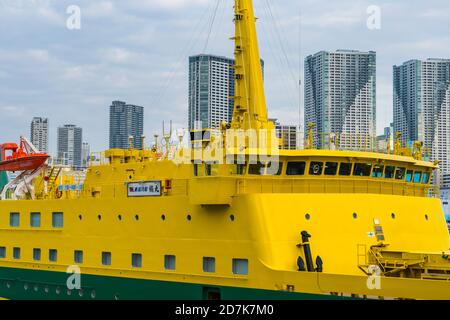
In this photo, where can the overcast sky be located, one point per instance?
(137, 51)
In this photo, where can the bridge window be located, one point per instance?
(296, 168)
(35, 219)
(426, 178)
(14, 219)
(240, 169)
(400, 173)
(417, 176)
(331, 168)
(377, 171)
(409, 175)
(36, 254)
(345, 169)
(316, 168)
(169, 262)
(195, 169)
(256, 169)
(274, 168)
(209, 264)
(389, 172)
(240, 266)
(208, 169)
(362, 169)
(2, 252)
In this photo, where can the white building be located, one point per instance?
(340, 98)
(39, 133)
(422, 107)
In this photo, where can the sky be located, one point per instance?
(137, 51)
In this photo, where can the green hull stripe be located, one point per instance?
(27, 284)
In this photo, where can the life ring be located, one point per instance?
(58, 194)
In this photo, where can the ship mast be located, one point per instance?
(250, 111)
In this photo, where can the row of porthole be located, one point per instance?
(58, 290)
(355, 216)
(136, 217)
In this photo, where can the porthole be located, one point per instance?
(116, 296)
(8, 285)
(99, 217)
(119, 217)
(189, 217)
(80, 217)
(355, 215)
(46, 289)
(93, 294)
(393, 215)
(163, 217)
(58, 290)
(136, 217)
(69, 292)
(307, 216)
(426, 217)
(80, 292)
(25, 286)
(232, 217)
(36, 288)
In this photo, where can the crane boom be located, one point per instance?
(250, 111)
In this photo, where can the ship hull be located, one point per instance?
(262, 228)
(27, 284)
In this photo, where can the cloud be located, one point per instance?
(167, 4)
(39, 55)
(12, 111)
(118, 55)
(347, 17)
(137, 51)
(99, 9)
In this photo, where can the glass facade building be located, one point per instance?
(422, 107)
(125, 120)
(211, 89)
(69, 145)
(340, 98)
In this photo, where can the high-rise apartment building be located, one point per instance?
(340, 98)
(69, 145)
(211, 88)
(125, 120)
(422, 107)
(39, 133)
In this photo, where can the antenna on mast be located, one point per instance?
(166, 137)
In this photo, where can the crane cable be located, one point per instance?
(193, 40)
(271, 40)
(211, 24)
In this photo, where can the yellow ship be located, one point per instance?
(326, 224)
